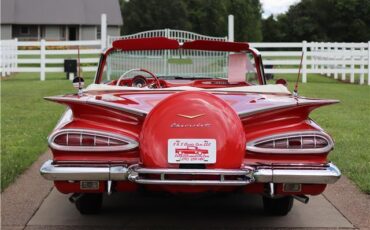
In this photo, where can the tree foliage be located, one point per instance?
(321, 20)
(207, 17)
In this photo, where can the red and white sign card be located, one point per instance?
(192, 151)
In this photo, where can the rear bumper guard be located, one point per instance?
(240, 176)
(323, 174)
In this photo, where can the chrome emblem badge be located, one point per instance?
(189, 116)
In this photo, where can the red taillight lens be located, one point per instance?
(88, 140)
(296, 143)
(83, 140)
(308, 142)
(101, 141)
(320, 142)
(61, 140)
(266, 145)
(114, 142)
(280, 144)
(74, 139)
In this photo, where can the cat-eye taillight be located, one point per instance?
(90, 140)
(293, 143)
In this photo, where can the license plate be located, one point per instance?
(192, 151)
(89, 185)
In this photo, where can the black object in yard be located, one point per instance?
(70, 66)
(269, 76)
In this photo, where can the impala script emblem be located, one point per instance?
(187, 125)
(189, 116)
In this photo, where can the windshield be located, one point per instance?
(182, 64)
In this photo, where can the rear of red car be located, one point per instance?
(190, 141)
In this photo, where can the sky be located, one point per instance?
(276, 6)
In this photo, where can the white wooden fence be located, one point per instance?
(46, 56)
(350, 60)
(345, 61)
(8, 56)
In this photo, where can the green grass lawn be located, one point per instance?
(27, 120)
(348, 122)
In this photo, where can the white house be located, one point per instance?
(58, 19)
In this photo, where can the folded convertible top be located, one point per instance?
(278, 89)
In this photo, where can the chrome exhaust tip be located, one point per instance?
(302, 198)
(75, 196)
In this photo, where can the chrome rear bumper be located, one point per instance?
(323, 174)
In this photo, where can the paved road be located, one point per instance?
(135, 210)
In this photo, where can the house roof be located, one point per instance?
(60, 12)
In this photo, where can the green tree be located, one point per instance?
(207, 17)
(248, 19)
(271, 30)
(139, 15)
(325, 20)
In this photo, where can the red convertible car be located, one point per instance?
(121, 133)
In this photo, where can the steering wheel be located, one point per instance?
(157, 83)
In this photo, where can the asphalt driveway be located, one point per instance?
(31, 203)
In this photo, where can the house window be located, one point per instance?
(62, 32)
(42, 31)
(98, 32)
(25, 30)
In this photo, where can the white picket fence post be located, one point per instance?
(15, 56)
(42, 60)
(167, 53)
(103, 31)
(304, 58)
(336, 59)
(321, 57)
(362, 67)
(231, 28)
(352, 78)
(343, 66)
(328, 57)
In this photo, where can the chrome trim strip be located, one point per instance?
(193, 182)
(326, 175)
(66, 99)
(251, 145)
(172, 171)
(66, 118)
(131, 143)
(310, 101)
